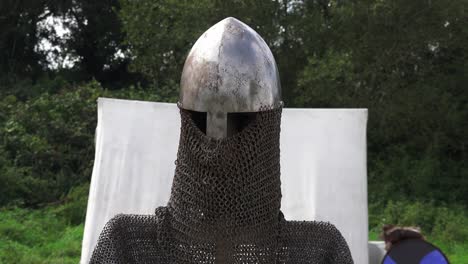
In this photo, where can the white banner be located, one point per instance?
(323, 167)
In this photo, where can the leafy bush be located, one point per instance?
(49, 235)
(38, 236)
(73, 211)
(47, 142)
(416, 96)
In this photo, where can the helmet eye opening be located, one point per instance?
(235, 123)
(199, 118)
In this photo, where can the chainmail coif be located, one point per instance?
(224, 208)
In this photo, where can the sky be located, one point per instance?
(56, 56)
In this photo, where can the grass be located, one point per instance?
(53, 235)
(38, 236)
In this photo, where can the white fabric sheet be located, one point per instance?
(323, 166)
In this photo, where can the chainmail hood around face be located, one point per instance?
(228, 188)
(224, 208)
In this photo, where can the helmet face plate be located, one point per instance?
(230, 69)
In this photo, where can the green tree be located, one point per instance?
(18, 38)
(405, 61)
(96, 39)
(161, 33)
(47, 144)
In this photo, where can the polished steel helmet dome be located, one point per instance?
(230, 69)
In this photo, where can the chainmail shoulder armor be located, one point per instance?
(224, 208)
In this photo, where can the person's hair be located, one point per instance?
(392, 234)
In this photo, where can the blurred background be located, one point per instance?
(406, 61)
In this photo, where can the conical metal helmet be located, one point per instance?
(230, 69)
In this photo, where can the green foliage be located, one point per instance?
(429, 175)
(47, 142)
(325, 82)
(171, 28)
(445, 223)
(38, 236)
(160, 46)
(49, 235)
(73, 211)
(96, 40)
(405, 63)
(34, 45)
(46, 236)
(18, 38)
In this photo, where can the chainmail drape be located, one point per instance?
(224, 208)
